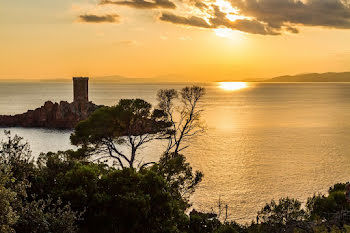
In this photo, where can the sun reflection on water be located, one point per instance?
(233, 86)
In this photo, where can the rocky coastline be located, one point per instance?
(61, 115)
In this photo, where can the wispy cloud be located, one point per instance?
(191, 21)
(127, 43)
(141, 4)
(90, 18)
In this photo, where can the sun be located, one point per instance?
(232, 14)
(233, 86)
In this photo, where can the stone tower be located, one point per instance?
(81, 92)
(81, 89)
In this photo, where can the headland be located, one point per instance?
(62, 115)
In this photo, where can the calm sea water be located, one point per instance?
(265, 141)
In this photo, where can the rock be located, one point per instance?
(61, 115)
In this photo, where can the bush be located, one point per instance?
(44, 216)
(8, 217)
(20, 212)
(327, 207)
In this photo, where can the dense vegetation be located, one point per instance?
(69, 191)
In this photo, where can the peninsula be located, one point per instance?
(61, 115)
(313, 77)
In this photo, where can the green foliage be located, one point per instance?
(321, 206)
(324, 229)
(328, 206)
(286, 211)
(179, 176)
(337, 187)
(44, 216)
(117, 200)
(52, 167)
(129, 117)
(142, 198)
(151, 200)
(203, 222)
(73, 181)
(226, 228)
(8, 217)
(131, 122)
(20, 212)
(16, 155)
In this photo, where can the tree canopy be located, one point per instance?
(131, 123)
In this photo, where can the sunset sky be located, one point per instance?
(184, 39)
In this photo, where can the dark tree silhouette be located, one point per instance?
(131, 123)
(185, 118)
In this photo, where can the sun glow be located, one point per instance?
(224, 32)
(232, 14)
(226, 7)
(233, 86)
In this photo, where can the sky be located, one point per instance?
(184, 40)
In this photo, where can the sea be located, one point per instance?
(263, 141)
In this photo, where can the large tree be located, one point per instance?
(131, 123)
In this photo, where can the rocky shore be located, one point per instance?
(61, 115)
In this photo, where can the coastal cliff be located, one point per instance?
(61, 115)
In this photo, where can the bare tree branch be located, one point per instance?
(188, 124)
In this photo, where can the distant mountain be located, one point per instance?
(313, 77)
(176, 78)
(171, 78)
(157, 79)
(107, 79)
(118, 79)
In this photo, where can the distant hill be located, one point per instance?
(313, 77)
(117, 78)
(157, 79)
(107, 79)
(176, 78)
(171, 78)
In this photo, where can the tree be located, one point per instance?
(329, 206)
(17, 156)
(70, 180)
(138, 202)
(19, 210)
(114, 200)
(285, 211)
(226, 228)
(178, 174)
(8, 217)
(131, 123)
(184, 119)
(41, 216)
(203, 222)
